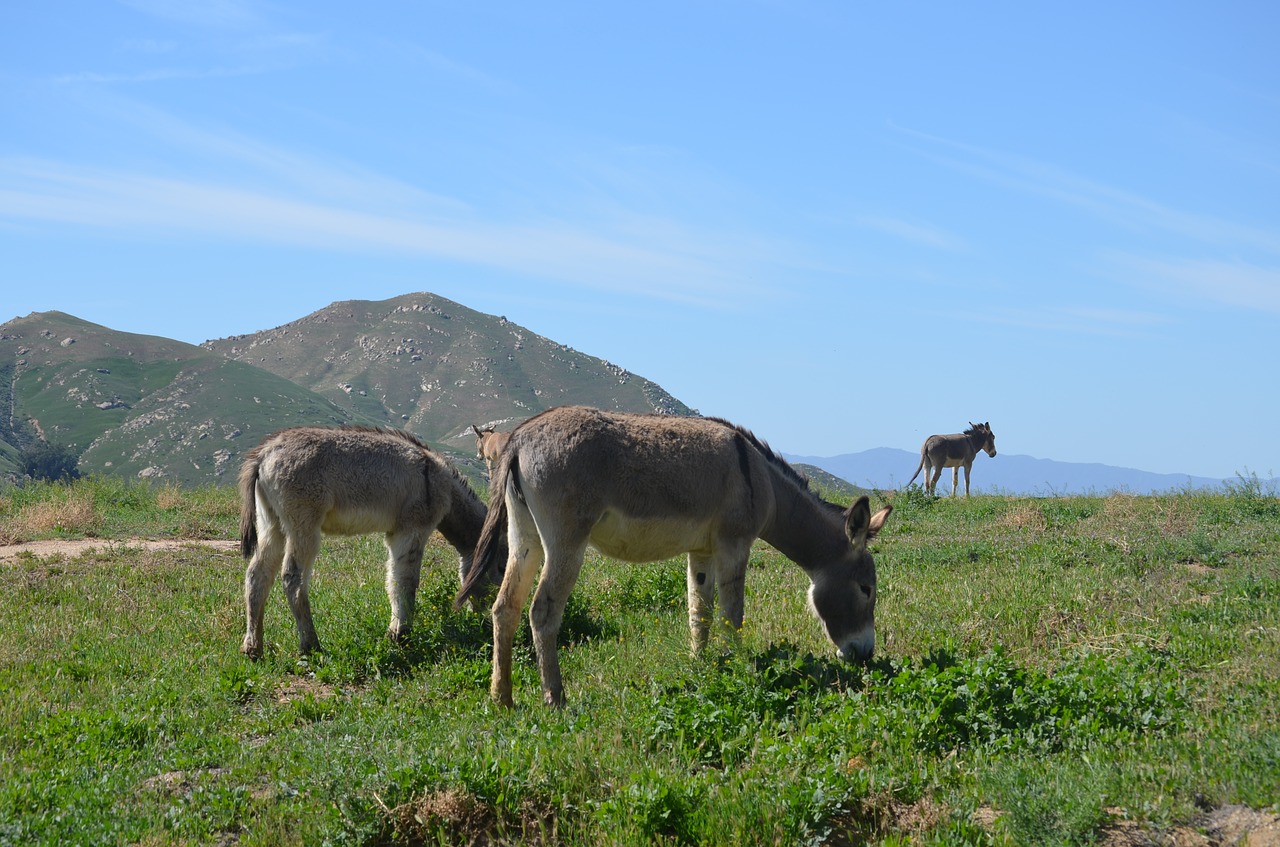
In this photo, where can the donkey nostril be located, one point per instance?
(866, 591)
(857, 653)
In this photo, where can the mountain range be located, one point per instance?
(888, 468)
(152, 407)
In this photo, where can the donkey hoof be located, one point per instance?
(398, 636)
(252, 650)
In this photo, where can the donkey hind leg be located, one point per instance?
(404, 570)
(934, 474)
(955, 480)
(259, 576)
(523, 563)
(702, 579)
(559, 574)
(300, 552)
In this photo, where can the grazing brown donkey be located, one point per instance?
(954, 451)
(303, 482)
(648, 487)
(489, 444)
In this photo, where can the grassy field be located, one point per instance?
(1050, 671)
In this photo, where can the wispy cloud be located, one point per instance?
(34, 191)
(153, 75)
(1232, 283)
(923, 234)
(467, 74)
(1115, 323)
(1115, 205)
(150, 46)
(220, 14)
(276, 169)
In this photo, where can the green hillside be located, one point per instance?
(140, 405)
(434, 367)
(829, 485)
(151, 407)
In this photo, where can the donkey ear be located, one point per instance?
(856, 518)
(878, 521)
(476, 430)
(860, 525)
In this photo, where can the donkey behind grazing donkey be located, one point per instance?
(489, 444)
(953, 451)
(303, 482)
(647, 487)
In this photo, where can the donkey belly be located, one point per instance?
(357, 521)
(648, 539)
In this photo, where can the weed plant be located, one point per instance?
(1046, 669)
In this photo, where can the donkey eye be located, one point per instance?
(866, 591)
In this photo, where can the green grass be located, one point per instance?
(1046, 667)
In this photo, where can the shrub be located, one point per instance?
(52, 462)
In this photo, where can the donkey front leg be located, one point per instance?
(731, 584)
(299, 555)
(404, 571)
(702, 579)
(259, 576)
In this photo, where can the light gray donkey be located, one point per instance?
(953, 451)
(303, 482)
(646, 487)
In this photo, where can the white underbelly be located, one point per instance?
(648, 539)
(356, 521)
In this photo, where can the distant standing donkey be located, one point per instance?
(954, 451)
(304, 482)
(489, 444)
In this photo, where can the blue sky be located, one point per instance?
(843, 225)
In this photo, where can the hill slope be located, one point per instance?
(434, 367)
(139, 405)
(142, 405)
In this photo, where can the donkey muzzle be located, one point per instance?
(860, 648)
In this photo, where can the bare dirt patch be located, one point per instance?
(70, 548)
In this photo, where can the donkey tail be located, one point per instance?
(918, 468)
(248, 505)
(490, 547)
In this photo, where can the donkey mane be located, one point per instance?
(780, 464)
(384, 430)
(768, 452)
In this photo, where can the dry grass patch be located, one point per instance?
(882, 813)
(299, 688)
(1128, 522)
(170, 497)
(465, 818)
(72, 511)
(1025, 517)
